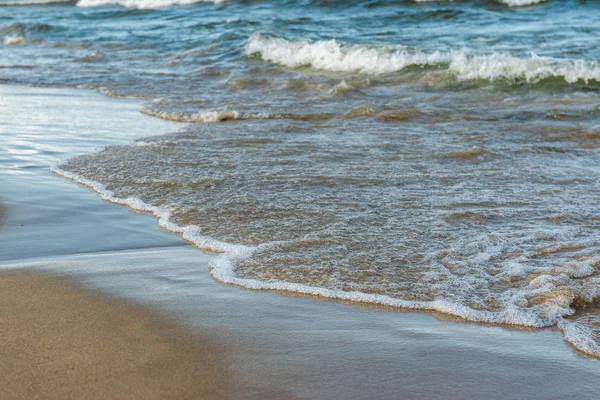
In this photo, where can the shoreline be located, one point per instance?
(279, 345)
(226, 255)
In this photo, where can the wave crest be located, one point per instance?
(521, 3)
(329, 55)
(208, 116)
(510, 3)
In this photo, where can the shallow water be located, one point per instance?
(283, 345)
(438, 155)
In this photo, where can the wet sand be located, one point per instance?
(2, 214)
(59, 342)
(263, 344)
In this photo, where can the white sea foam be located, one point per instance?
(329, 55)
(580, 336)
(534, 69)
(520, 3)
(223, 268)
(144, 4)
(13, 40)
(206, 116)
(510, 3)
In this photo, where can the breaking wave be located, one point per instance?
(230, 115)
(521, 3)
(330, 55)
(208, 116)
(13, 40)
(510, 3)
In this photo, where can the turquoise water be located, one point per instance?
(431, 155)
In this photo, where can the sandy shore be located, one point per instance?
(260, 345)
(59, 342)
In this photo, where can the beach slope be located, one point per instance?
(59, 341)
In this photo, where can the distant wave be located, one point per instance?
(32, 2)
(13, 40)
(144, 4)
(329, 55)
(510, 3)
(520, 3)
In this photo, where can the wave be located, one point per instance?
(230, 115)
(33, 2)
(329, 55)
(13, 40)
(144, 4)
(223, 269)
(521, 3)
(510, 3)
(208, 116)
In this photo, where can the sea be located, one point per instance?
(432, 155)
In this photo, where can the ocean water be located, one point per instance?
(420, 154)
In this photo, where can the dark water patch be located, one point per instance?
(474, 152)
(433, 15)
(22, 28)
(478, 217)
(92, 57)
(17, 66)
(361, 111)
(545, 150)
(37, 3)
(112, 13)
(399, 115)
(248, 83)
(302, 84)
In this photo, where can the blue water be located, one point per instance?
(439, 155)
(163, 51)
